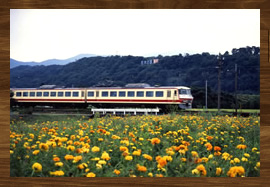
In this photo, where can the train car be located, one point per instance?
(49, 97)
(148, 96)
(107, 97)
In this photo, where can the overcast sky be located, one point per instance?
(38, 35)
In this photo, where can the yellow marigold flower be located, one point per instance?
(254, 149)
(141, 139)
(95, 149)
(141, 168)
(218, 171)
(11, 152)
(99, 166)
(105, 156)
(226, 156)
(117, 172)
(244, 159)
(236, 160)
(195, 172)
(148, 157)
(35, 152)
(258, 164)
(231, 162)
(91, 174)
(168, 158)
(43, 147)
(136, 153)
(194, 153)
(102, 162)
(60, 164)
(204, 159)
(236, 171)
(37, 167)
(69, 157)
(115, 137)
(57, 173)
(155, 141)
(183, 159)
(241, 146)
(246, 155)
(100, 139)
(70, 148)
(210, 156)
(150, 174)
(32, 136)
(128, 158)
(95, 159)
(201, 169)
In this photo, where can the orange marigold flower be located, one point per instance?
(69, 157)
(155, 141)
(141, 168)
(162, 162)
(122, 148)
(148, 157)
(241, 146)
(218, 171)
(198, 160)
(105, 156)
(217, 153)
(209, 137)
(37, 167)
(201, 169)
(117, 172)
(56, 159)
(43, 147)
(217, 148)
(77, 159)
(159, 175)
(208, 146)
(236, 171)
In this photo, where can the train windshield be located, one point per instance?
(184, 92)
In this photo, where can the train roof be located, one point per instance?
(161, 87)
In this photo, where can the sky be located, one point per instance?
(42, 34)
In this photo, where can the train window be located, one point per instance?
(82, 93)
(131, 94)
(45, 94)
(25, 94)
(175, 93)
(75, 94)
(32, 94)
(90, 94)
(104, 94)
(39, 94)
(18, 94)
(122, 94)
(53, 94)
(159, 93)
(140, 93)
(149, 94)
(67, 94)
(60, 94)
(113, 94)
(183, 91)
(97, 93)
(168, 93)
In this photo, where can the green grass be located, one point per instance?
(226, 110)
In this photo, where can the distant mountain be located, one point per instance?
(14, 63)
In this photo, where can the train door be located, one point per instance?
(169, 95)
(175, 95)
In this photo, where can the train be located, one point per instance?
(109, 97)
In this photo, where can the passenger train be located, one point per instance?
(105, 96)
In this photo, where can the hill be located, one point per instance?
(14, 63)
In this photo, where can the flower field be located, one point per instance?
(135, 146)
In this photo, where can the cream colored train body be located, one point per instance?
(110, 96)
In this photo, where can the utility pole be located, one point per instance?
(205, 94)
(236, 77)
(220, 62)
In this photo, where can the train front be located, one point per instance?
(185, 98)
